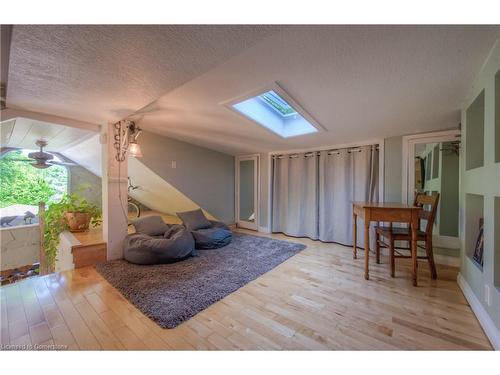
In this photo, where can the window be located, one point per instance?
(276, 111)
(278, 104)
(22, 187)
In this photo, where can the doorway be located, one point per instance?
(247, 191)
(432, 166)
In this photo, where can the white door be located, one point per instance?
(247, 191)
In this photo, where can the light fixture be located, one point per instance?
(134, 150)
(126, 134)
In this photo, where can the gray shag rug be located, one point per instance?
(172, 293)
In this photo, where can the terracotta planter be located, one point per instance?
(78, 221)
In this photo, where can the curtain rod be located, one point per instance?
(335, 151)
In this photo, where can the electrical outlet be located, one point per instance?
(174, 164)
(487, 294)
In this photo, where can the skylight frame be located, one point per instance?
(284, 95)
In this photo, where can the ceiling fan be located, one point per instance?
(43, 159)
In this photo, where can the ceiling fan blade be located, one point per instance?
(40, 165)
(20, 159)
(66, 164)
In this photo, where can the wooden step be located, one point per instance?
(88, 255)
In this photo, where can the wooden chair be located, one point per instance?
(429, 203)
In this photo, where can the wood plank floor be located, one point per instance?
(316, 300)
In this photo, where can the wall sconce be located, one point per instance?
(125, 134)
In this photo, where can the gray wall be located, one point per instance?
(474, 116)
(449, 212)
(480, 194)
(203, 175)
(393, 159)
(443, 179)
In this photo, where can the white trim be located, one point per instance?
(243, 223)
(447, 260)
(264, 230)
(278, 89)
(16, 227)
(489, 327)
(10, 113)
(407, 148)
(446, 242)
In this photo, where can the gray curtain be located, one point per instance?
(295, 195)
(345, 176)
(312, 196)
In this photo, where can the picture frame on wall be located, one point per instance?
(479, 248)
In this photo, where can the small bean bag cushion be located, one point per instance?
(194, 220)
(174, 245)
(218, 235)
(150, 225)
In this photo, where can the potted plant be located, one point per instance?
(72, 213)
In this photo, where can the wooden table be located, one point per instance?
(385, 212)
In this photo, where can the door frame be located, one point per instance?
(409, 141)
(408, 173)
(243, 223)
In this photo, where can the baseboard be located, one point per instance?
(444, 260)
(446, 242)
(484, 319)
(264, 229)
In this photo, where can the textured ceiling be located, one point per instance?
(103, 73)
(359, 82)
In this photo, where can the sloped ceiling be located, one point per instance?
(23, 133)
(359, 82)
(103, 73)
(87, 153)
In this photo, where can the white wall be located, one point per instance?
(20, 246)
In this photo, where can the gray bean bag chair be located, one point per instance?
(207, 234)
(175, 244)
(218, 235)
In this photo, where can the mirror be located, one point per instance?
(437, 171)
(247, 191)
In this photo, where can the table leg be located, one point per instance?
(414, 229)
(367, 247)
(354, 236)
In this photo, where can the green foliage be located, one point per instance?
(55, 220)
(20, 183)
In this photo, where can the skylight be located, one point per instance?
(278, 104)
(271, 110)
